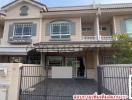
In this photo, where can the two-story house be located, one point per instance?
(79, 37)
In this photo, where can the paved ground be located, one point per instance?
(60, 89)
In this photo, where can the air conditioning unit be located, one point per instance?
(3, 71)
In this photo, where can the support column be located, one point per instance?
(40, 28)
(114, 25)
(96, 60)
(97, 27)
(42, 62)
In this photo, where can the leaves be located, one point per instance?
(123, 42)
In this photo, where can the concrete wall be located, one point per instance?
(11, 80)
(91, 64)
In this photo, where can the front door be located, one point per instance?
(77, 65)
(81, 68)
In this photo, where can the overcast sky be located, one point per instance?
(59, 3)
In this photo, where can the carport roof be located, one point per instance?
(68, 46)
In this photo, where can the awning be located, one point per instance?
(68, 46)
(14, 50)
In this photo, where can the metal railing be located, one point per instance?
(114, 79)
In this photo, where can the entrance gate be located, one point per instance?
(34, 85)
(114, 79)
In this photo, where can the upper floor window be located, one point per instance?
(21, 30)
(60, 30)
(86, 29)
(128, 26)
(24, 10)
(102, 28)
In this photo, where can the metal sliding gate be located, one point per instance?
(34, 85)
(114, 79)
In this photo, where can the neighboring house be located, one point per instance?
(2, 15)
(79, 36)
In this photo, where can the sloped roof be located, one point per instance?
(8, 4)
(34, 1)
(93, 6)
(116, 5)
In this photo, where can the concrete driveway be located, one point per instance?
(59, 89)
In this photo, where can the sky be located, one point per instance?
(61, 3)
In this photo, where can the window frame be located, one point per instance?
(55, 58)
(101, 28)
(23, 25)
(60, 24)
(24, 10)
(109, 60)
(127, 20)
(87, 29)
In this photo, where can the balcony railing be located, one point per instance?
(96, 38)
(106, 38)
(89, 38)
(20, 40)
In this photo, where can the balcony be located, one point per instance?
(96, 38)
(20, 40)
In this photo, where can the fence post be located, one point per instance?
(100, 87)
(20, 87)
